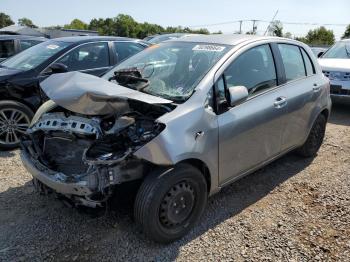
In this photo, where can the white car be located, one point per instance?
(335, 65)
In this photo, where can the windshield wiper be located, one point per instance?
(130, 77)
(176, 99)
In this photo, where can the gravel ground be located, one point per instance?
(292, 210)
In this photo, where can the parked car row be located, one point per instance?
(20, 75)
(181, 119)
(14, 44)
(335, 64)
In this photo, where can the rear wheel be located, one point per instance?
(15, 118)
(315, 138)
(168, 204)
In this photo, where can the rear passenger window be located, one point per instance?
(126, 49)
(254, 69)
(310, 70)
(292, 61)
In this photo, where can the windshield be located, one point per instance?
(172, 69)
(34, 56)
(340, 50)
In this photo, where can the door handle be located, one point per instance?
(280, 102)
(316, 88)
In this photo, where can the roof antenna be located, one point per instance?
(268, 27)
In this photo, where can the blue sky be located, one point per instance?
(187, 12)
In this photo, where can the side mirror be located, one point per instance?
(238, 94)
(58, 68)
(320, 54)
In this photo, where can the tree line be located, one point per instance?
(125, 25)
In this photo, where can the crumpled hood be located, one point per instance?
(91, 95)
(331, 64)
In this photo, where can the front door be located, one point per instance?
(250, 133)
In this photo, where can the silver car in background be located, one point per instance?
(335, 64)
(183, 118)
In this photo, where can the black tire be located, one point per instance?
(6, 107)
(155, 206)
(315, 138)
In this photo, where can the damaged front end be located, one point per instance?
(84, 156)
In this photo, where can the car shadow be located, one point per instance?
(7, 153)
(50, 221)
(340, 115)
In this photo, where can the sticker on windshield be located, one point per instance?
(52, 46)
(209, 48)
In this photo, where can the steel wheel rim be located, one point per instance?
(13, 124)
(177, 205)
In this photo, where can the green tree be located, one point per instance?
(26, 22)
(319, 36)
(288, 35)
(146, 29)
(76, 24)
(5, 20)
(103, 26)
(346, 33)
(126, 26)
(276, 28)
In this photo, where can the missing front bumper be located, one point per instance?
(53, 180)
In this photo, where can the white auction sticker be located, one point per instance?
(52, 46)
(209, 48)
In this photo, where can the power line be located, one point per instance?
(273, 18)
(265, 21)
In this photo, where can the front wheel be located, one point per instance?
(15, 118)
(315, 138)
(168, 204)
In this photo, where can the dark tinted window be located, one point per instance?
(308, 64)
(88, 56)
(292, 61)
(126, 49)
(7, 48)
(254, 69)
(28, 43)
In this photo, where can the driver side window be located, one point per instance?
(254, 69)
(88, 56)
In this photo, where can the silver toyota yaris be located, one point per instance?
(182, 119)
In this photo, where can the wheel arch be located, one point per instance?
(202, 167)
(22, 101)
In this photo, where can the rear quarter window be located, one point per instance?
(293, 61)
(309, 67)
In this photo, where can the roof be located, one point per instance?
(26, 37)
(21, 30)
(232, 39)
(78, 30)
(82, 39)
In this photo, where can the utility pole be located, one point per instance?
(273, 18)
(254, 27)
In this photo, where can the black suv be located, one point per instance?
(13, 44)
(20, 75)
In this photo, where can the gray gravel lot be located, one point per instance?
(292, 210)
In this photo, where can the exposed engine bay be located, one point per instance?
(84, 156)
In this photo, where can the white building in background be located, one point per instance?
(45, 32)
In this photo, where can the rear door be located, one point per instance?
(250, 133)
(303, 88)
